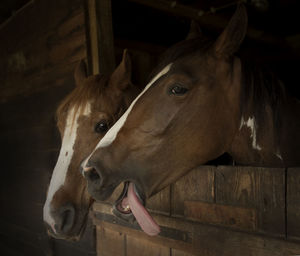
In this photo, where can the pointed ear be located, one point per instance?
(233, 35)
(80, 73)
(195, 31)
(121, 77)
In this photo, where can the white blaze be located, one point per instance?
(113, 131)
(64, 159)
(251, 124)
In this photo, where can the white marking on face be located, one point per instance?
(64, 159)
(278, 154)
(251, 124)
(113, 131)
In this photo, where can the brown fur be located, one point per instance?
(166, 135)
(109, 97)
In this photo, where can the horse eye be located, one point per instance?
(178, 90)
(101, 127)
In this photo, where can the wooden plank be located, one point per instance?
(259, 188)
(136, 246)
(197, 185)
(100, 33)
(293, 203)
(105, 37)
(160, 202)
(110, 242)
(224, 215)
(180, 253)
(93, 37)
(207, 240)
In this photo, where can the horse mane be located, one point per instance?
(81, 95)
(263, 88)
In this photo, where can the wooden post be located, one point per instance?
(100, 37)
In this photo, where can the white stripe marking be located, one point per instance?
(64, 160)
(111, 135)
(252, 125)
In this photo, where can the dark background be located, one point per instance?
(40, 45)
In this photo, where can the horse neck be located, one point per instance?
(269, 131)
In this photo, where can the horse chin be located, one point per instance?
(124, 212)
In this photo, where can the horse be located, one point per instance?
(202, 101)
(83, 117)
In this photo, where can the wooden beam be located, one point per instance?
(210, 21)
(101, 42)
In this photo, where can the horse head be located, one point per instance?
(83, 118)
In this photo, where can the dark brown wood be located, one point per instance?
(224, 215)
(259, 188)
(204, 239)
(160, 202)
(101, 40)
(197, 185)
(211, 21)
(293, 203)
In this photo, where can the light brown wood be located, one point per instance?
(224, 215)
(110, 242)
(136, 246)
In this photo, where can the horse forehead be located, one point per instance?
(112, 133)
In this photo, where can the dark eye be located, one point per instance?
(101, 126)
(178, 90)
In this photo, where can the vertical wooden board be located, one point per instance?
(135, 246)
(293, 203)
(255, 187)
(110, 242)
(160, 202)
(197, 185)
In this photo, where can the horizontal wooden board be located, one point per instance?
(204, 239)
(224, 215)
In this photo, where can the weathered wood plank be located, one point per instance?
(259, 188)
(205, 239)
(197, 185)
(224, 215)
(160, 202)
(293, 203)
(110, 242)
(134, 246)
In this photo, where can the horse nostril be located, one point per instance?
(65, 219)
(92, 176)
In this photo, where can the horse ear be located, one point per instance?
(80, 73)
(195, 31)
(233, 35)
(121, 77)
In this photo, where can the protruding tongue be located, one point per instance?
(142, 216)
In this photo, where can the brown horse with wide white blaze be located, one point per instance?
(83, 118)
(203, 101)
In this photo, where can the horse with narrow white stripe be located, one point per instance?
(206, 103)
(83, 118)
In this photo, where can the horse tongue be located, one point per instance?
(140, 213)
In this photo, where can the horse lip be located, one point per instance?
(129, 217)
